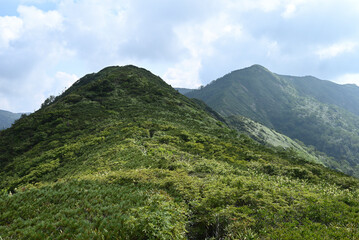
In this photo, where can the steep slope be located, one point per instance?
(310, 110)
(7, 118)
(122, 155)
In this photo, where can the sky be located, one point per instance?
(46, 45)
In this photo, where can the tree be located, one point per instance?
(48, 101)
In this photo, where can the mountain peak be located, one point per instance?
(254, 68)
(115, 81)
(258, 67)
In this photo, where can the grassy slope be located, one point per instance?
(270, 137)
(300, 108)
(121, 155)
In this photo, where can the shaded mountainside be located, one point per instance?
(7, 118)
(318, 113)
(122, 155)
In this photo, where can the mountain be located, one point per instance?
(184, 90)
(7, 118)
(122, 155)
(317, 112)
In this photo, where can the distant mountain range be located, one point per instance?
(317, 112)
(7, 118)
(184, 90)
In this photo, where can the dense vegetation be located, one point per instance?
(122, 155)
(7, 118)
(316, 112)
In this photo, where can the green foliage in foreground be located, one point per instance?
(121, 155)
(90, 210)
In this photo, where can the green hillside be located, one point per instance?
(318, 113)
(7, 118)
(122, 155)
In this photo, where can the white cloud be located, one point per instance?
(249, 5)
(4, 102)
(268, 5)
(65, 80)
(350, 78)
(38, 86)
(336, 49)
(10, 29)
(34, 18)
(199, 40)
(289, 11)
(291, 7)
(31, 2)
(184, 74)
(272, 48)
(187, 42)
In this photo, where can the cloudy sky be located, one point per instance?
(46, 45)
